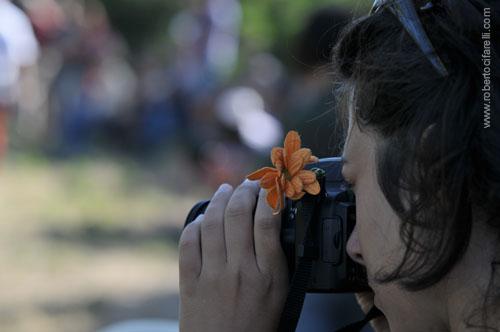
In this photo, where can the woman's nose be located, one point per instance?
(354, 248)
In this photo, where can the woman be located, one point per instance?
(423, 155)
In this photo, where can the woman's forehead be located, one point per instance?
(360, 145)
(350, 126)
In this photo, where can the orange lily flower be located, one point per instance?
(288, 176)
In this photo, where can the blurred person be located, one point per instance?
(158, 119)
(223, 40)
(48, 19)
(95, 85)
(206, 49)
(49, 23)
(423, 164)
(19, 52)
(189, 30)
(206, 38)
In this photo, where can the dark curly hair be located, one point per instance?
(439, 163)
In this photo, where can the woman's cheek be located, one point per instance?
(367, 236)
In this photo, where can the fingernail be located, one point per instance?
(224, 187)
(199, 218)
(250, 181)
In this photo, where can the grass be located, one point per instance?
(83, 239)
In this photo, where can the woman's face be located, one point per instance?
(376, 243)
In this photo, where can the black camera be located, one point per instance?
(318, 227)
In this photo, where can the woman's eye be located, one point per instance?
(348, 183)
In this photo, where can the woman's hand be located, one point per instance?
(365, 301)
(233, 273)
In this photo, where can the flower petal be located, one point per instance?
(273, 198)
(297, 196)
(292, 144)
(313, 159)
(282, 182)
(297, 184)
(307, 177)
(289, 189)
(297, 161)
(268, 181)
(257, 175)
(313, 188)
(281, 198)
(304, 153)
(277, 158)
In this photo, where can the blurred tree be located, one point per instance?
(273, 24)
(141, 22)
(268, 25)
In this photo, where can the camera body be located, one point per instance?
(330, 221)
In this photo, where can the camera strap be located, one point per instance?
(357, 326)
(300, 280)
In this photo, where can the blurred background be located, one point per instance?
(116, 116)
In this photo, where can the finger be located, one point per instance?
(238, 223)
(267, 226)
(365, 301)
(190, 252)
(213, 248)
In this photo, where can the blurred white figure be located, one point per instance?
(243, 109)
(18, 50)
